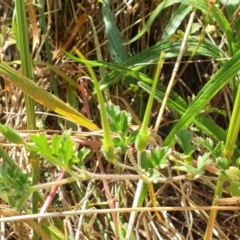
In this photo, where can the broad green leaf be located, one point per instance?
(233, 173)
(61, 151)
(184, 139)
(43, 97)
(202, 161)
(119, 120)
(218, 150)
(185, 167)
(156, 159)
(217, 81)
(153, 175)
(82, 154)
(42, 146)
(207, 143)
(233, 188)
(232, 178)
(15, 184)
(132, 136)
(222, 163)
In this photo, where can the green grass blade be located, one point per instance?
(60, 73)
(217, 81)
(178, 105)
(131, 67)
(27, 70)
(150, 56)
(201, 5)
(153, 16)
(117, 50)
(114, 66)
(233, 128)
(43, 97)
(21, 33)
(175, 21)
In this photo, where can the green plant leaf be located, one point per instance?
(185, 167)
(202, 161)
(216, 83)
(132, 136)
(207, 143)
(114, 66)
(202, 5)
(233, 173)
(6, 37)
(117, 50)
(231, 177)
(15, 184)
(184, 139)
(177, 104)
(119, 145)
(82, 154)
(119, 120)
(43, 97)
(156, 159)
(11, 135)
(234, 189)
(153, 175)
(218, 150)
(175, 21)
(222, 163)
(61, 151)
(151, 56)
(43, 148)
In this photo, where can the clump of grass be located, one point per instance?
(89, 162)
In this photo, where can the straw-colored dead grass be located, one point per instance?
(73, 25)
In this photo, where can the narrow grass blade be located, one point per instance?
(178, 105)
(43, 97)
(176, 20)
(205, 95)
(118, 52)
(201, 5)
(150, 56)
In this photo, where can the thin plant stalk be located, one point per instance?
(141, 143)
(27, 70)
(227, 153)
(182, 51)
(142, 138)
(107, 143)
